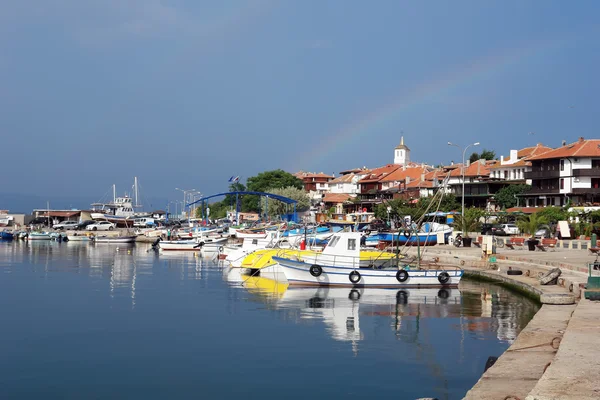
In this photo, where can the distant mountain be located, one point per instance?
(19, 203)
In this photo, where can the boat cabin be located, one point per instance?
(344, 244)
(143, 222)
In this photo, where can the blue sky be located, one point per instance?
(187, 93)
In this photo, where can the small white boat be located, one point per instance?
(205, 244)
(78, 238)
(340, 265)
(39, 236)
(179, 245)
(114, 239)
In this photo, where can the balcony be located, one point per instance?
(586, 190)
(536, 191)
(544, 174)
(593, 172)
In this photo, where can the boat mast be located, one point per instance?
(135, 190)
(114, 193)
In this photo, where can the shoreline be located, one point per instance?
(555, 356)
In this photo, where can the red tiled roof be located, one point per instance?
(581, 148)
(345, 178)
(378, 174)
(520, 163)
(402, 173)
(335, 197)
(530, 151)
(533, 151)
(358, 171)
(420, 184)
(478, 168)
(302, 175)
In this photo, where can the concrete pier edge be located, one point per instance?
(555, 356)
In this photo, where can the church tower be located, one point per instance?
(401, 153)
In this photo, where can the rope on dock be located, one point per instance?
(555, 343)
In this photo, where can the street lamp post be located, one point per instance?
(185, 192)
(463, 180)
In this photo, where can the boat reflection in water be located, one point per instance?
(476, 308)
(340, 308)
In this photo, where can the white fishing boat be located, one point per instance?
(340, 265)
(120, 210)
(242, 234)
(236, 254)
(39, 236)
(179, 245)
(206, 244)
(78, 238)
(114, 239)
(212, 245)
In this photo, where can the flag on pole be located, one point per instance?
(231, 179)
(236, 179)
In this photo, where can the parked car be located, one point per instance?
(510, 229)
(493, 229)
(101, 226)
(66, 225)
(543, 233)
(84, 224)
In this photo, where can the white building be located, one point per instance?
(401, 153)
(514, 167)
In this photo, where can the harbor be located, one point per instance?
(534, 364)
(329, 200)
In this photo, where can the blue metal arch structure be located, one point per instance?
(283, 199)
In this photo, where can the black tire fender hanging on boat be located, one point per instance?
(354, 276)
(443, 277)
(401, 275)
(402, 297)
(315, 270)
(220, 249)
(406, 234)
(354, 295)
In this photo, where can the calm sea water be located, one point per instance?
(80, 321)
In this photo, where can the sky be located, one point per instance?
(186, 93)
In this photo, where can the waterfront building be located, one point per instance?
(514, 167)
(570, 172)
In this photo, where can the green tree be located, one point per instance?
(471, 221)
(487, 154)
(265, 181)
(531, 223)
(277, 207)
(484, 155)
(448, 203)
(505, 197)
(554, 214)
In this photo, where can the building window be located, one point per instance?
(505, 174)
(562, 165)
(562, 183)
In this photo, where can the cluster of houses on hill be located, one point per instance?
(570, 172)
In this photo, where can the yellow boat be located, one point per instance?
(261, 262)
(264, 286)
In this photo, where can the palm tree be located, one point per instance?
(470, 221)
(531, 223)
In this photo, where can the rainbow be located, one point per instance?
(381, 117)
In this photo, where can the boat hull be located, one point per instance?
(116, 239)
(179, 245)
(6, 236)
(298, 273)
(39, 236)
(78, 238)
